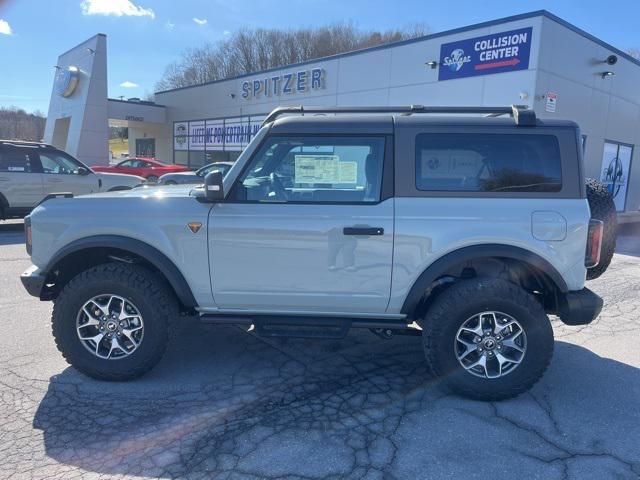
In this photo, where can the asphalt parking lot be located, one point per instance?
(224, 403)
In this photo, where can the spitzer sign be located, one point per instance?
(495, 53)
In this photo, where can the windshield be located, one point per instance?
(246, 154)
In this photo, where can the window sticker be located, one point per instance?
(317, 169)
(348, 172)
(16, 169)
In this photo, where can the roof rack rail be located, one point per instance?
(24, 143)
(522, 115)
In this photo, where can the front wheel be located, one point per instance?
(111, 321)
(487, 339)
(152, 179)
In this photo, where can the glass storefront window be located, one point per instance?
(200, 142)
(181, 158)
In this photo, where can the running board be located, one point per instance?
(301, 326)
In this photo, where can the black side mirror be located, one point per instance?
(83, 171)
(213, 188)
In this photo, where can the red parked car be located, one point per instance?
(148, 168)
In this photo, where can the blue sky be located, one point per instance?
(145, 35)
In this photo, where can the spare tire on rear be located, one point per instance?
(602, 208)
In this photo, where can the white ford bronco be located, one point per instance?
(467, 226)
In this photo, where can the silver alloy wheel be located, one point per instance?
(110, 326)
(490, 344)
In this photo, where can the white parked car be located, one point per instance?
(29, 171)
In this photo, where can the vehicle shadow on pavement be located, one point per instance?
(11, 233)
(628, 239)
(226, 402)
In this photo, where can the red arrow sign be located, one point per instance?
(504, 63)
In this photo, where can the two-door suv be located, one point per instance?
(473, 227)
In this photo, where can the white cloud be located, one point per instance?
(226, 33)
(5, 28)
(128, 84)
(169, 25)
(118, 8)
(200, 21)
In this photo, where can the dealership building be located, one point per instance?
(534, 59)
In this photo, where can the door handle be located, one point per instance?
(365, 231)
(54, 180)
(4, 179)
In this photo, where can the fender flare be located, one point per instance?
(444, 263)
(151, 254)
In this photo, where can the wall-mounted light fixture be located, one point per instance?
(607, 74)
(432, 64)
(90, 50)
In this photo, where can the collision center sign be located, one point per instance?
(495, 53)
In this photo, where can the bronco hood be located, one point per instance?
(147, 191)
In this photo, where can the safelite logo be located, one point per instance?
(456, 60)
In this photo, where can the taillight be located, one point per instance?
(27, 234)
(594, 243)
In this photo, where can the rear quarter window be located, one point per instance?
(15, 161)
(479, 162)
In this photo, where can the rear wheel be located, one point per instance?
(152, 179)
(487, 339)
(602, 208)
(110, 322)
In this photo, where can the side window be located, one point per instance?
(15, 161)
(126, 163)
(488, 162)
(314, 169)
(56, 163)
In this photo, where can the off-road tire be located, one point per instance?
(602, 208)
(153, 297)
(470, 297)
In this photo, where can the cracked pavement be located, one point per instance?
(224, 403)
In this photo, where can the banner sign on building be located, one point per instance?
(495, 53)
(226, 134)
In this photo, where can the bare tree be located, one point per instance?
(634, 52)
(248, 51)
(16, 124)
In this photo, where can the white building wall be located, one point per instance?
(605, 108)
(383, 76)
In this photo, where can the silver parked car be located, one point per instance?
(29, 171)
(197, 177)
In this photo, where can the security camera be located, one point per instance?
(612, 59)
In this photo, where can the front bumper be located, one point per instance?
(580, 307)
(33, 280)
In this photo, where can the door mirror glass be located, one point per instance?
(213, 187)
(83, 171)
